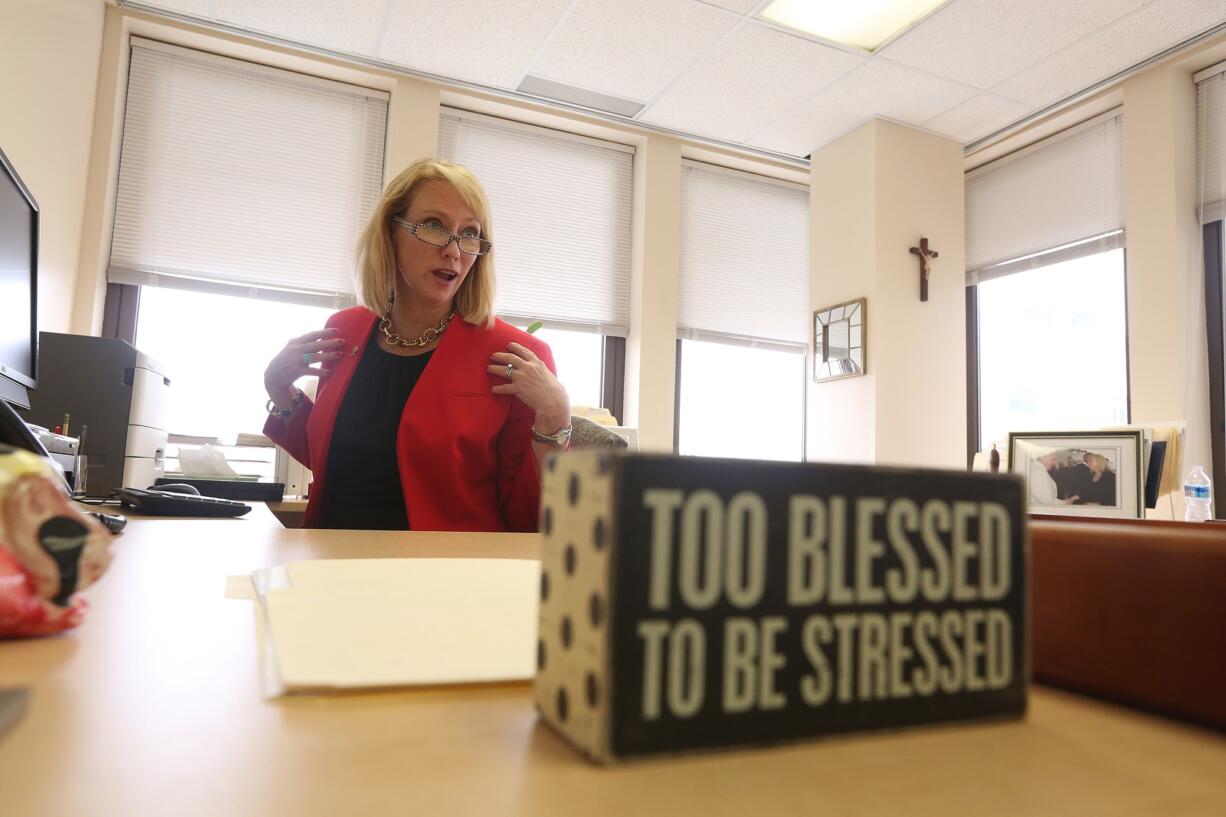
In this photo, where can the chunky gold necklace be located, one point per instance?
(385, 326)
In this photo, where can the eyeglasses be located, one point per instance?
(438, 237)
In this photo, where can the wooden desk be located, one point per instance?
(153, 708)
(288, 512)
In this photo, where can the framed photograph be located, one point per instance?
(1080, 473)
(838, 340)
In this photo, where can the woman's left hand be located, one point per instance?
(529, 379)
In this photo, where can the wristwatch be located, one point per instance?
(559, 438)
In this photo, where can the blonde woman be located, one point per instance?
(431, 414)
(1099, 488)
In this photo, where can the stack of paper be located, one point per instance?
(362, 623)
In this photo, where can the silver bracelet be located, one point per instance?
(559, 438)
(289, 410)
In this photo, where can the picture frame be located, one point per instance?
(1081, 473)
(839, 334)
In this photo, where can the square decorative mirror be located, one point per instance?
(838, 341)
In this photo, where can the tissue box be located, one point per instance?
(693, 603)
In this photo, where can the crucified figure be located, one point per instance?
(925, 255)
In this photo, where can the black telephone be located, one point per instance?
(14, 431)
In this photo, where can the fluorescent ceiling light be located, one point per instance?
(859, 23)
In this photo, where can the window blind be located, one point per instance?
(239, 176)
(560, 211)
(1063, 192)
(1211, 142)
(744, 258)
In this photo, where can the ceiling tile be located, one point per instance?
(351, 27)
(978, 116)
(879, 88)
(754, 76)
(1154, 28)
(739, 6)
(631, 48)
(475, 40)
(981, 42)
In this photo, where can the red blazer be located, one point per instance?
(465, 453)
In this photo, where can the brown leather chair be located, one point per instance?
(1133, 611)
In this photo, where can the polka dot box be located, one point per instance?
(689, 603)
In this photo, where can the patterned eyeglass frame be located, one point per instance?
(412, 228)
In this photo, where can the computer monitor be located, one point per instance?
(18, 305)
(18, 287)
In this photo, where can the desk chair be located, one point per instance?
(585, 434)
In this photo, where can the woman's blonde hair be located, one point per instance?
(376, 254)
(1104, 464)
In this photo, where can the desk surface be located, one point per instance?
(153, 707)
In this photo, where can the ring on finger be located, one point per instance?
(307, 358)
(510, 369)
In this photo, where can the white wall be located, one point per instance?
(874, 193)
(843, 265)
(651, 359)
(921, 405)
(1168, 356)
(48, 83)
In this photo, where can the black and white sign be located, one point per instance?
(753, 602)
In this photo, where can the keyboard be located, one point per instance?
(165, 503)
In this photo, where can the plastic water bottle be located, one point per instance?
(1197, 491)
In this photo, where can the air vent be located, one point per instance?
(561, 92)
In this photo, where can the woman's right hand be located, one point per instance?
(294, 361)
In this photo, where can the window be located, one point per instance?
(241, 192)
(741, 402)
(1047, 317)
(1053, 348)
(215, 348)
(241, 175)
(562, 249)
(743, 312)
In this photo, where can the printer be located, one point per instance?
(116, 391)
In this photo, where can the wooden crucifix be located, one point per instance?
(925, 255)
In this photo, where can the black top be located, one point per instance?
(1071, 479)
(1100, 493)
(363, 477)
